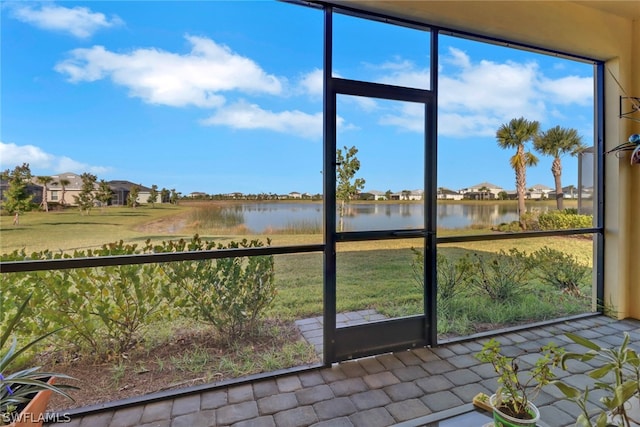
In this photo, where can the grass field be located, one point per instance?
(68, 230)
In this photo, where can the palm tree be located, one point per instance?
(557, 142)
(483, 192)
(516, 134)
(44, 181)
(63, 184)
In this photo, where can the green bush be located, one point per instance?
(561, 270)
(566, 219)
(103, 309)
(106, 309)
(228, 293)
(502, 277)
(453, 276)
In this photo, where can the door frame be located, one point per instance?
(398, 333)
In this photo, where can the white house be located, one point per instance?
(539, 191)
(484, 190)
(378, 195)
(447, 194)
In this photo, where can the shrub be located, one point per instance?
(228, 293)
(453, 276)
(508, 227)
(105, 309)
(502, 277)
(561, 270)
(566, 219)
(102, 308)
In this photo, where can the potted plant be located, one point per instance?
(616, 373)
(512, 402)
(24, 394)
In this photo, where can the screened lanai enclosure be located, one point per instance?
(371, 164)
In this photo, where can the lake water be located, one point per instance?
(260, 217)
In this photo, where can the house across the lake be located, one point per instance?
(121, 190)
(482, 191)
(447, 194)
(538, 192)
(65, 187)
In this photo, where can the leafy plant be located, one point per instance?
(228, 293)
(347, 186)
(17, 388)
(560, 270)
(104, 308)
(453, 276)
(516, 389)
(560, 220)
(616, 372)
(503, 276)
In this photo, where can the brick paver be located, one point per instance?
(373, 391)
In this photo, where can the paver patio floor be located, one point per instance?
(375, 391)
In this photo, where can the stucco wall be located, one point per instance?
(579, 30)
(634, 191)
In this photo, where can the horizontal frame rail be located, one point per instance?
(358, 236)
(382, 91)
(103, 261)
(520, 235)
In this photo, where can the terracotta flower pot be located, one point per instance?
(501, 419)
(33, 414)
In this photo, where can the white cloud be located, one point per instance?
(166, 78)
(312, 83)
(476, 97)
(243, 115)
(78, 21)
(404, 73)
(41, 162)
(569, 90)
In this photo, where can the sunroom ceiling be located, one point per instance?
(591, 29)
(625, 9)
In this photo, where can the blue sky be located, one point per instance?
(222, 96)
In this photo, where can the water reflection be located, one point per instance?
(260, 216)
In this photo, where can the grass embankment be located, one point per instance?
(67, 230)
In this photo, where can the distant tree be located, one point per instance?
(347, 165)
(503, 195)
(484, 191)
(516, 134)
(132, 199)
(173, 198)
(387, 194)
(104, 193)
(44, 181)
(86, 198)
(16, 197)
(63, 185)
(153, 195)
(556, 142)
(164, 195)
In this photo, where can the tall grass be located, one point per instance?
(297, 227)
(215, 217)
